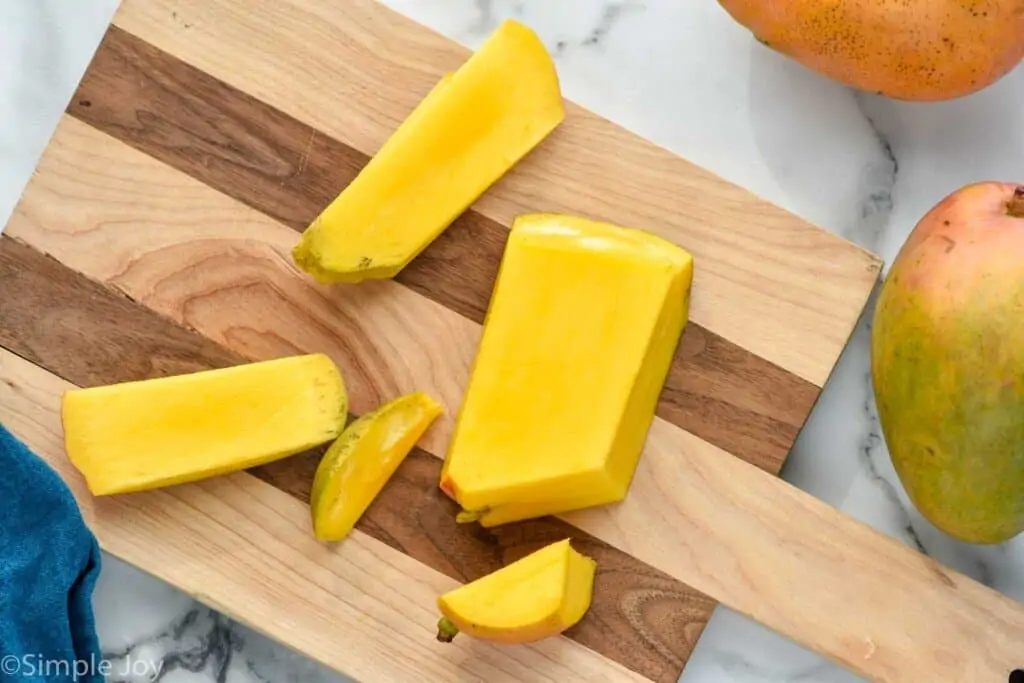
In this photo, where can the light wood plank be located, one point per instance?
(764, 279)
(696, 513)
(245, 548)
(808, 571)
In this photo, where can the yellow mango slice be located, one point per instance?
(581, 331)
(358, 465)
(469, 131)
(535, 597)
(151, 433)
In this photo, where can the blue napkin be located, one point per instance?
(49, 561)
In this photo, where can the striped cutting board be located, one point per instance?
(154, 239)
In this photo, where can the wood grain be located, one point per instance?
(59, 319)
(749, 540)
(283, 168)
(203, 259)
(243, 546)
(765, 280)
(91, 335)
(694, 512)
(801, 567)
(168, 202)
(640, 617)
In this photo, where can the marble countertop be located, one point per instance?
(861, 166)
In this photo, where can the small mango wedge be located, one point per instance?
(159, 432)
(359, 463)
(579, 337)
(536, 597)
(472, 127)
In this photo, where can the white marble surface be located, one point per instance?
(684, 75)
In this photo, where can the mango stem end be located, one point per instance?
(446, 630)
(1016, 207)
(468, 516)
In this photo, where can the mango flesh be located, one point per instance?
(469, 131)
(535, 597)
(582, 328)
(360, 462)
(905, 49)
(948, 363)
(159, 432)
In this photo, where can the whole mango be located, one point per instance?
(905, 49)
(947, 362)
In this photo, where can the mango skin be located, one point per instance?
(536, 597)
(919, 50)
(948, 364)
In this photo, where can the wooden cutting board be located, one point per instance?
(154, 239)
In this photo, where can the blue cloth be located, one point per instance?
(49, 561)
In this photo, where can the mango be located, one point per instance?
(464, 135)
(360, 462)
(921, 50)
(948, 363)
(152, 433)
(582, 327)
(535, 597)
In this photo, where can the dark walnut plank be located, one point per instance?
(289, 171)
(91, 335)
(640, 608)
(87, 333)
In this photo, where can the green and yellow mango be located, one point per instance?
(948, 363)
